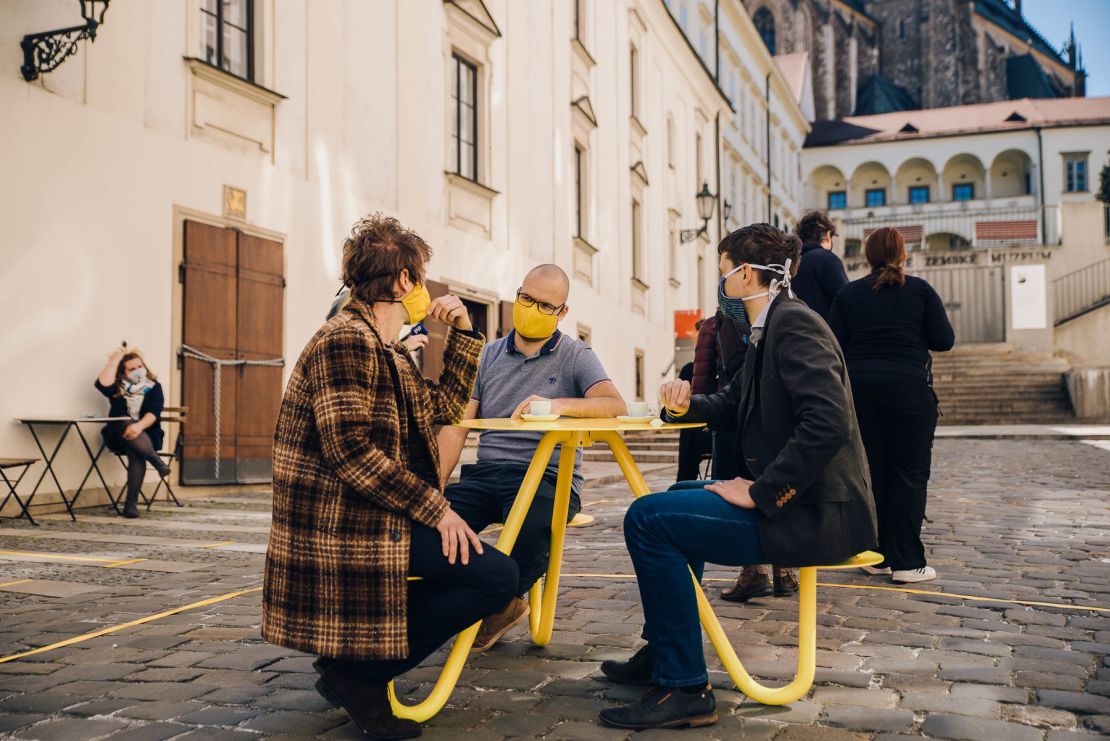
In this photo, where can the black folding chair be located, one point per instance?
(22, 465)
(171, 416)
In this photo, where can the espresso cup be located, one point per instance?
(638, 409)
(540, 408)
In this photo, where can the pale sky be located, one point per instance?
(1053, 18)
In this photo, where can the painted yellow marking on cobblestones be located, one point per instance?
(219, 545)
(123, 626)
(124, 563)
(906, 590)
(112, 562)
(599, 501)
(13, 583)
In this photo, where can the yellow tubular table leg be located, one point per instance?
(807, 646)
(543, 623)
(625, 461)
(449, 677)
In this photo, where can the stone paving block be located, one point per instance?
(218, 734)
(977, 729)
(533, 725)
(576, 731)
(162, 691)
(166, 674)
(799, 711)
(294, 723)
(982, 675)
(1026, 616)
(235, 695)
(219, 716)
(991, 692)
(231, 678)
(150, 732)
(819, 733)
(14, 721)
(932, 703)
(515, 702)
(1077, 701)
(27, 667)
(49, 588)
(1042, 717)
(871, 698)
(1046, 681)
(98, 672)
(70, 729)
(868, 718)
(160, 710)
(98, 707)
(37, 702)
(308, 701)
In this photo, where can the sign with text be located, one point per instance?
(684, 321)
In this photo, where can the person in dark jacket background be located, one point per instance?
(133, 391)
(694, 443)
(821, 274)
(887, 322)
(809, 503)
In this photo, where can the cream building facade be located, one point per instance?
(983, 195)
(198, 167)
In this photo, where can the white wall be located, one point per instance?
(105, 160)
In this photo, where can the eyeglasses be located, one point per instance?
(544, 307)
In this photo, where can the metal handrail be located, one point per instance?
(1081, 290)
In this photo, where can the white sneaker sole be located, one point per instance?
(912, 578)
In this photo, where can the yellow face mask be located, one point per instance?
(416, 303)
(531, 323)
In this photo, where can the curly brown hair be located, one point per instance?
(762, 244)
(813, 227)
(378, 249)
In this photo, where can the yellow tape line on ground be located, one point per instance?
(219, 545)
(122, 626)
(13, 583)
(906, 590)
(111, 562)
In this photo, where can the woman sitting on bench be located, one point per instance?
(810, 502)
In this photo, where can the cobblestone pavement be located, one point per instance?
(1010, 520)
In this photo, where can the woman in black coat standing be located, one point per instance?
(887, 322)
(133, 391)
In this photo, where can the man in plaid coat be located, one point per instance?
(358, 507)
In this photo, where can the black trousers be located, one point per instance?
(897, 416)
(448, 599)
(485, 494)
(692, 445)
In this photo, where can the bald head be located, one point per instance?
(547, 283)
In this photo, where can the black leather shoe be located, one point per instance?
(665, 707)
(130, 510)
(368, 705)
(751, 584)
(635, 671)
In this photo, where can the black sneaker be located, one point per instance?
(665, 707)
(635, 671)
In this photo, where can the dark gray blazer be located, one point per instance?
(792, 403)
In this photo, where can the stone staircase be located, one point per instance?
(646, 448)
(994, 384)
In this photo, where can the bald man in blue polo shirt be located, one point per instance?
(534, 362)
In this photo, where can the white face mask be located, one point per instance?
(776, 284)
(137, 376)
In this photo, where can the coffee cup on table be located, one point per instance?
(540, 408)
(638, 409)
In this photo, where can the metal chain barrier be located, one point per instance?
(217, 366)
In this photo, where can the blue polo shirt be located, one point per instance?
(564, 368)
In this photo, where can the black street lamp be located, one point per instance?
(706, 202)
(44, 52)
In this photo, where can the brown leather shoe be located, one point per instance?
(500, 623)
(751, 584)
(786, 582)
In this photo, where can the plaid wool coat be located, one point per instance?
(355, 463)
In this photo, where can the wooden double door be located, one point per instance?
(233, 310)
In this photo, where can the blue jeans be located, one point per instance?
(667, 535)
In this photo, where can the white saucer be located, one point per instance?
(540, 417)
(626, 418)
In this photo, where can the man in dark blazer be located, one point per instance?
(810, 502)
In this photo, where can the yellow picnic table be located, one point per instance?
(573, 434)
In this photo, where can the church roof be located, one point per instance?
(1026, 79)
(880, 95)
(1002, 15)
(965, 119)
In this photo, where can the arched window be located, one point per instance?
(764, 22)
